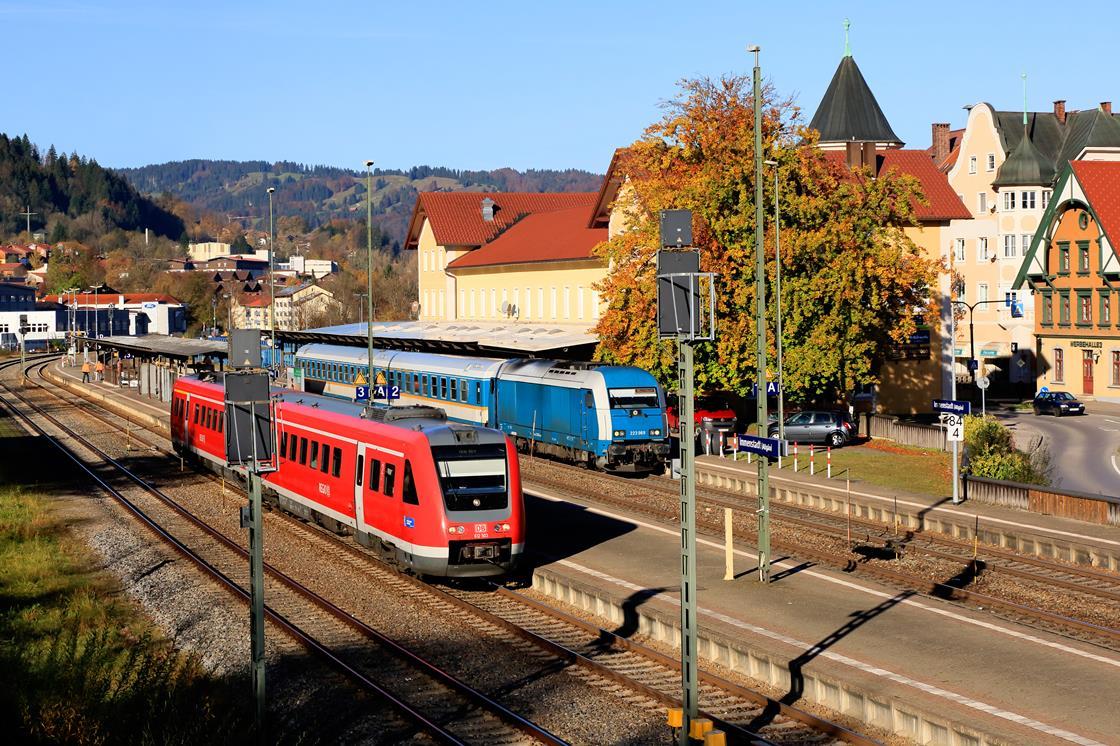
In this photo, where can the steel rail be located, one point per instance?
(436, 673)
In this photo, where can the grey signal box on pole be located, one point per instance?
(678, 295)
(245, 349)
(676, 229)
(249, 435)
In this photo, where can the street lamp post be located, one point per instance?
(778, 295)
(272, 279)
(369, 274)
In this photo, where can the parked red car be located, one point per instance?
(714, 414)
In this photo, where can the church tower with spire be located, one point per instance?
(849, 118)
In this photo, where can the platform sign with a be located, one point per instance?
(954, 428)
(386, 391)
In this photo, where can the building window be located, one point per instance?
(1063, 309)
(540, 303)
(442, 299)
(1026, 242)
(981, 249)
(493, 301)
(1082, 257)
(567, 303)
(1028, 200)
(1047, 309)
(972, 164)
(1008, 246)
(462, 305)
(528, 302)
(1059, 365)
(1008, 201)
(982, 292)
(1105, 317)
(1084, 308)
(472, 303)
(579, 302)
(553, 300)
(1045, 198)
(1063, 257)
(958, 249)
(1116, 367)
(991, 161)
(982, 202)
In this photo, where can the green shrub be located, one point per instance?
(992, 454)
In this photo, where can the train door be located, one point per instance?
(360, 470)
(587, 419)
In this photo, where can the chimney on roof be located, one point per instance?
(1060, 111)
(861, 155)
(940, 141)
(488, 210)
(1106, 107)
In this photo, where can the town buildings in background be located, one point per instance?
(297, 307)
(1073, 271)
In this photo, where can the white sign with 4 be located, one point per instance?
(954, 428)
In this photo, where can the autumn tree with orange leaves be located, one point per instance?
(853, 283)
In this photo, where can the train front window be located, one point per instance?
(408, 488)
(636, 398)
(472, 476)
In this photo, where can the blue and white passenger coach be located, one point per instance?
(609, 416)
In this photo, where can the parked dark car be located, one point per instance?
(1057, 403)
(814, 426)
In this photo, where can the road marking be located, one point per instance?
(1109, 429)
(855, 586)
(865, 667)
(1114, 465)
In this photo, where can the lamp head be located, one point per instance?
(369, 163)
(271, 190)
(754, 48)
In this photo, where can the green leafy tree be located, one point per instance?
(853, 282)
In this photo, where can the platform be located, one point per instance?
(928, 670)
(125, 400)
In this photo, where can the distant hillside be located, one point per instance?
(320, 193)
(72, 196)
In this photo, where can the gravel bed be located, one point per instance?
(558, 699)
(657, 502)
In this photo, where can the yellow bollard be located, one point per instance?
(728, 546)
(715, 738)
(674, 718)
(698, 727)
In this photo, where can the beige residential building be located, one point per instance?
(298, 307)
(1002, 165)
(207, 250)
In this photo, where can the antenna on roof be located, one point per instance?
(1024, 77)
(847, 45)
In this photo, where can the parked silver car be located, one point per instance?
(832, 428)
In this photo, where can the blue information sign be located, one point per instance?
(952, 406)
(773, 388)
(974, 364)
(361, 393)
(384, 391)
(771, 447)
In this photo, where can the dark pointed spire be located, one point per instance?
(1026, 166)
(849, 112)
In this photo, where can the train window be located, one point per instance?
(283, 444)
(336, 462)
(408, 491)
(326, 458)
(313, 459)
(462, 390)
(221, 421)
(174, 408)
(293, 448)
(415, 383)
(588, 400)
(303, 451)
(477, 392)
(196, 414)
(358, 472)
(374, 475)
(209, 418)
(424, 385)
(390, 479)
(443, 387)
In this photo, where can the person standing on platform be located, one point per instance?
(100, 370)
(85, 371)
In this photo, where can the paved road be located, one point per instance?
(1085, 451)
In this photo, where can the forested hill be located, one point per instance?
(319, 193)
(73, 196)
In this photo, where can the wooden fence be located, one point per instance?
(908, 433)
(1082, 506)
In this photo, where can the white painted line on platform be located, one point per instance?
(929, 508)
(864, 589)
(1114, 465)
(936, 691)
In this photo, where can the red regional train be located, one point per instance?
(438, 498)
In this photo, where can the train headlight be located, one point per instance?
(655, 432)
(505, 527)
(620, 433)
(476, 502)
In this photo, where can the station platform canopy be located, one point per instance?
(163, 346)
(463, 337)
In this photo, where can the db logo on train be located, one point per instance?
(480, 528)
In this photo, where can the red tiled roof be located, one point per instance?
(1100, 181)
(261, 301)
(553, 236)
(456, 217)
(944, 204)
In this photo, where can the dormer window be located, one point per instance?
(991, 161)
(1028, 200)
(1008, 201)
(972, 164)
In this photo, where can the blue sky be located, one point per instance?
(482, 85)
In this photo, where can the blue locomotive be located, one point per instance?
(608, 416)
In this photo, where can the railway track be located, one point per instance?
(446, 709)
(876, 546)
(605, 659)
